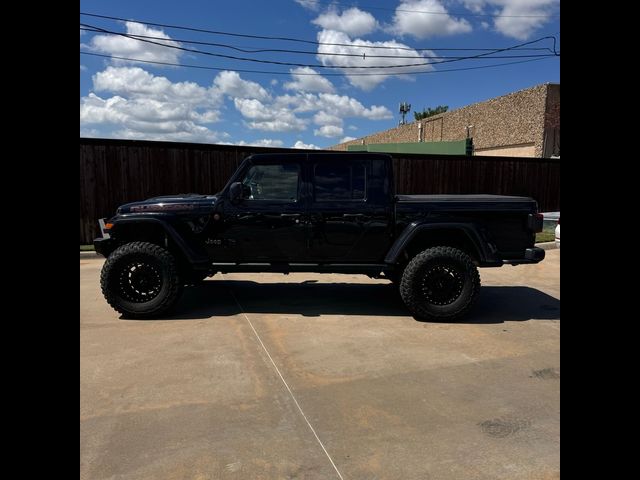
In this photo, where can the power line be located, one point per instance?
(184, 65)
(216, 32)
(262, 37)
(459, 14)
(344, 67)
(306, 52)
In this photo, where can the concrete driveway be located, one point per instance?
(309, 376)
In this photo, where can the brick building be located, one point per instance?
(525, 123)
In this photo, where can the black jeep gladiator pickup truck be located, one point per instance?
(315, 212)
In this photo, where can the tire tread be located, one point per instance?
(167, 261)
(411, 297)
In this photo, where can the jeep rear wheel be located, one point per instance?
(440, 284)
(140, 279)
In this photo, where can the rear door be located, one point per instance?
(348, 220)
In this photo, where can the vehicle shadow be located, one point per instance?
(213, 298)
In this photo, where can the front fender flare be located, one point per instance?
(191, 256)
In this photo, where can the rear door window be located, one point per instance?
(339, 181)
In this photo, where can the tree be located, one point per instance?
(430, 112)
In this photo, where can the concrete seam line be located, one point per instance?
(285, 384)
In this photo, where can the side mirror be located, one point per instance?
(235, 192)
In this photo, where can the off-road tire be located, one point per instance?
(440, 284)
(136, 271)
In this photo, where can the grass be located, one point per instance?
(87, 248)
(545, 237)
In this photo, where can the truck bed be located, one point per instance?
(502, 219)
(471, 202)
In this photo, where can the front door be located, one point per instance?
(268, 224)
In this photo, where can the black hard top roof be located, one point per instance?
(323, 155)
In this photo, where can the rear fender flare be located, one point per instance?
(468, 229)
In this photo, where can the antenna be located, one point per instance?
(404, 109)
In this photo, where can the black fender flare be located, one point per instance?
(191, 256)
(470, 230)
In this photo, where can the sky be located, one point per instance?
(311, 95)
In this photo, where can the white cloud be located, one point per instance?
(324, 118)
(144, 118)
(352, 21)
(231, 84)
(274, 82)
(278, 125)
(253, 109)
(513, 24)
(347, 139)
(307, 146)
(522, 28)
(350, 107)
(207, 116)
(374, 76)
(308, 83)
(424, 25)
(267, 117)
(130, 102)
(309, 4)
(83, 68)
(280, 114)
(353, 127)
(300, 102)
(339, 105)
(117, 45)
(265, 142)
(150, 107)
(136, 82)
(196, 134)
(476, 6)
(329, 131)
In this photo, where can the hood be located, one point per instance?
(180, 203)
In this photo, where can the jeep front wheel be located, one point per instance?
(140, 279)
(440, 284)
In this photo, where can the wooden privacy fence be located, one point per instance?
(113, 172)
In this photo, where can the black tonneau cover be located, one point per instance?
(475, 202)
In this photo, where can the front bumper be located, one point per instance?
(104, 246)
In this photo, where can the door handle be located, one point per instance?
(353, 215)
(290, 215)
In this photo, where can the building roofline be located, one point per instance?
(493, 98)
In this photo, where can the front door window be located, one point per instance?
(272, 182)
